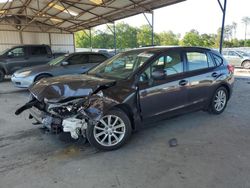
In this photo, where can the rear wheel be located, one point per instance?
(42, 76)
(219, 101)
(2, 75)
(246, 64)
(111, 132)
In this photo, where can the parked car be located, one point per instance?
(19, 57)
(75, 63)
(237, 58)
(130, 90)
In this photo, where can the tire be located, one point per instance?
(110, 136)
(2, 75)
(246, 64)
(42, 76)
(219, 101)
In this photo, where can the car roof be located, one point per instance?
(97, 53)
(30, 45)
(163, 48)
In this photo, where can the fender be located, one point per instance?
(3, 67)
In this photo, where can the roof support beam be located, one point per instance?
(151, 24)
(223, 9)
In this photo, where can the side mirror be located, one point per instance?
(158, 74)
(9, 54)
(64, 63)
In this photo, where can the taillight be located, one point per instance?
(230, 68)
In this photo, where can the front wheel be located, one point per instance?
(219, 101)
(246, 64)
(111, 132)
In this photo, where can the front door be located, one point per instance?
(17, 59)
(77, 64)
(168, 94)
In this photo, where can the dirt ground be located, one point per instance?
(212, 151)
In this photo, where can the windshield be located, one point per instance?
(121, 65)
(4, 51)
(56, 61)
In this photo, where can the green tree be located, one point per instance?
(234, 27)
(126, 36)
(103, 39)
(246, 20)
(169, 38)
(208, 40)
(144, 35)
(82, 39)
(228, 32)
(192, 38)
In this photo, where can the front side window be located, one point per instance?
(78, 59)
(122, 65)
(17, 52)
(169, 64)
(197, 60)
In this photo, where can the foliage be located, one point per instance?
(192, 38)
(132, 37)
(169, 38)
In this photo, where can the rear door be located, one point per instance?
(17, 59)
(202, 74)
(38, 55)
(166, 95)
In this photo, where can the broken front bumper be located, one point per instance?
(74, 126)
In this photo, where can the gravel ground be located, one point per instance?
(212, 151)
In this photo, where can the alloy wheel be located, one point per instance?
(110, 130)
(220, 100)
(246, 64)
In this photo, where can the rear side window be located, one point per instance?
(38, 51)
(218, 60)
(95, 58)
(197, 60)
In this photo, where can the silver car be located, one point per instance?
(75, 63)
(237, 58)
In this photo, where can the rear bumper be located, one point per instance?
(21, 82)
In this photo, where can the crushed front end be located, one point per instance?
(61, 107)
(68, 116)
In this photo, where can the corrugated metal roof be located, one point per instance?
(73, 15)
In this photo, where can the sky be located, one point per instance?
(203, 15)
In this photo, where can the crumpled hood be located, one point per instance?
(62, 87)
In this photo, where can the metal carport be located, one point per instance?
(69, 16)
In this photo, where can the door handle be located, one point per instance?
(215, 74)
(183, 82)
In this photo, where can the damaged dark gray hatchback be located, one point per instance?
(131, 89)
